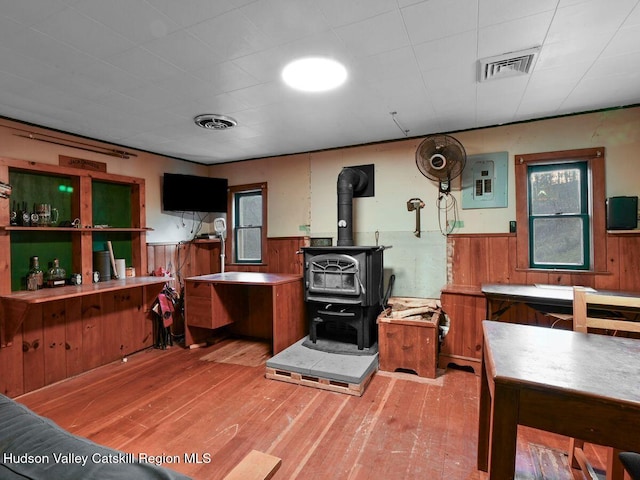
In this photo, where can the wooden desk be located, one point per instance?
(570, 383)
(260, 305)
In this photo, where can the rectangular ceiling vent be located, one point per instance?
(507, 65)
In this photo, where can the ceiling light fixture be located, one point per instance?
(314, 74)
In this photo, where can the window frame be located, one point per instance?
(594, 158)
(584, 214)
(231, 246)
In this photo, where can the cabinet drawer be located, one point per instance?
(198, 311)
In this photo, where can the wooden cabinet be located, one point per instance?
(466, 308)
(117, 215)
(55, 333)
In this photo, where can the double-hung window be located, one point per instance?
(248, 204)
(560, 210)
(559, 221)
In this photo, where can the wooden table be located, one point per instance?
(574, 384)
(260, 305)
(545, 298)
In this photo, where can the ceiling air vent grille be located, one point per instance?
(214, 121)
(507, 65)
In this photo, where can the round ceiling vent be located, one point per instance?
(215, 122)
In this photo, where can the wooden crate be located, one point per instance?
(409, 342)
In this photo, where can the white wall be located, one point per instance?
(420, 263)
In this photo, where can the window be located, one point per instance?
(249, 214)
(559, 223)
(560, 210)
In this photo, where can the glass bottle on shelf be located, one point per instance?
(56, 275)
(35, 277)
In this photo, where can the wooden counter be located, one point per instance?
(16, 304)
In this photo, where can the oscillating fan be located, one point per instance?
(441, 158)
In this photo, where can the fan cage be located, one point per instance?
(440, 158)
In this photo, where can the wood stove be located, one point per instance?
(344, 293)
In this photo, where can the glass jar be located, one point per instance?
(35, 277)
(56, 275)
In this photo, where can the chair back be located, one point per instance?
(611, 307)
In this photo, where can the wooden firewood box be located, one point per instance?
(408, 336)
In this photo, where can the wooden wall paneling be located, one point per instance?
(73, 336)
(498, 255)
(629, 260)
(534, 277)
(610, 281)
(111, 325)
(151, 259)
(515, 275)
(459, 260)
(91, 331)
(282, 254)
(54, 319)
(33, 348)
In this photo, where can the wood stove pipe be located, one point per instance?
(350, 181)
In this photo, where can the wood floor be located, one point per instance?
(175, 403)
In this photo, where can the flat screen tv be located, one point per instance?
(192, 193)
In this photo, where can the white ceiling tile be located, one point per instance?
(626, 40)
(191, 12)
(339, 12)
(185, 51)
(133, 19)
(231, 35)
(375, 35)
(519, 34)
(435, 19)
(141, 63)
(595, 16)
(445, 53)
(28, 12)
(70, 27)
(296, 20)
(492, 12)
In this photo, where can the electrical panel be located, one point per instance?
(484, 181)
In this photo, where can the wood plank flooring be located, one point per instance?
(173, 403)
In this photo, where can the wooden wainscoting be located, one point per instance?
(474, 259)
(200, 257)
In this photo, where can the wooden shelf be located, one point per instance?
(14, 228)
(71, 291)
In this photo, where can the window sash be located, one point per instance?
(248, 234)
(572, 250)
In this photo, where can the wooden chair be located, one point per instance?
(582, 322)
